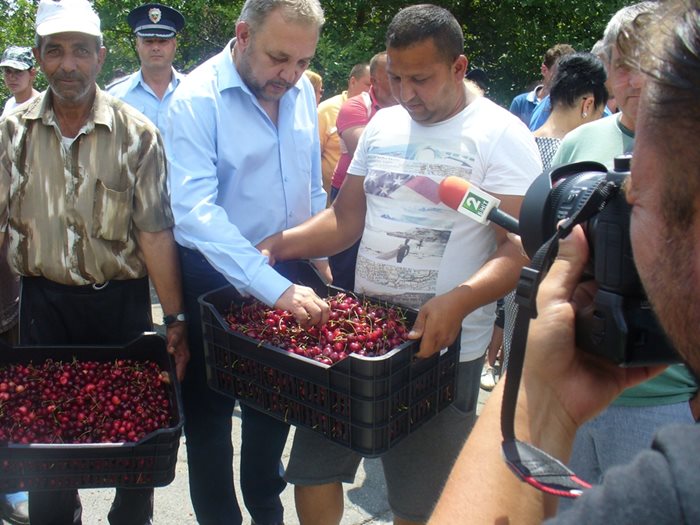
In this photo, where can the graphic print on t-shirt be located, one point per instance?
(408, 228)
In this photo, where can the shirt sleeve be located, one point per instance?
(564, 152)
(5, 176)
(319, 198)
(352, 114)
(202, 224)
(641, 492)
(515, 106)
(514, 162)
(152, 212)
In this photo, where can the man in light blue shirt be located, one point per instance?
(245, 162)
(150, 88)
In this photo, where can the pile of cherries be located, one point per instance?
(354, 326)
(82, 401)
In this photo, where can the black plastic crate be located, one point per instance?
(367, 404)
(149, 462)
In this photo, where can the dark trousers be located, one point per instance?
(343, 263)
(54, 314)
(208, 428)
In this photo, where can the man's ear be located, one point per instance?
(101, 54)
(243, 34)
(460, 67)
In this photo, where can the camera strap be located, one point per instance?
(530, 464)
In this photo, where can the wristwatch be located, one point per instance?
(175, 318)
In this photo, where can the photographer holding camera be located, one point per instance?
(563, 387)
(616, 435)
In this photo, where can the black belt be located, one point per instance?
(83, 289)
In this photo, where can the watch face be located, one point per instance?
(170, 319)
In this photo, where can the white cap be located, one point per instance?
(66, 16)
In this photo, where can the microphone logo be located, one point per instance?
(478, 204)
(475, 204)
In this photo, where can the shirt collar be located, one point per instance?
(100, 114)
(532, 95)
(175, 79)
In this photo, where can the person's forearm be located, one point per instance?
(160, 255)
(319, 236)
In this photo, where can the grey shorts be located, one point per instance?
(415, 469)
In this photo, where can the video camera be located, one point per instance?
(621, 325)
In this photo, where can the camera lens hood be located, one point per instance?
(540, 210)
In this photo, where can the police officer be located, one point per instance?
(149, 89)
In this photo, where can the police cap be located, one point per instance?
(155, 21)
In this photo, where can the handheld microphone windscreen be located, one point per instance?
(452, 190)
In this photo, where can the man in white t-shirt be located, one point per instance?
(415, 251)
(18, 71)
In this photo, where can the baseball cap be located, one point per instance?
(20, 58)
(66, 16)
(155, 21)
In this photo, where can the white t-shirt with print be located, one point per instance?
(413, 246)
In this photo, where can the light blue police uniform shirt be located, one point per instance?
(235, 177)
(134, 91)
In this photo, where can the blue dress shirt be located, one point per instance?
(235, 177)
(134, 91)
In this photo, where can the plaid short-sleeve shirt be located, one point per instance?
(73, 209)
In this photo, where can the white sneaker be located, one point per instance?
(489, 377)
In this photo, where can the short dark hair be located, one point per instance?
(423, 21)
(577, 75)
(554, 53)
(359, 70)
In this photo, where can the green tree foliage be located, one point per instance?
(506, 38)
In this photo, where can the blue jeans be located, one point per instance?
(208, 420)
(616, 435)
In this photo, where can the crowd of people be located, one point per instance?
(150, 180)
